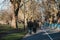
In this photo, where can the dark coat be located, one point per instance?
(30, 24)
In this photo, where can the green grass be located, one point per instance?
(20, 25)
(5, 28)
(11, 36)
(14, 36)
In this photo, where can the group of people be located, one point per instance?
(32, 26)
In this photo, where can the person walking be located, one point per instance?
(35, 25)
(30, 26)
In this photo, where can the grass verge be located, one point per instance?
(13, 35)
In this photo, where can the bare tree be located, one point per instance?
(16, 5)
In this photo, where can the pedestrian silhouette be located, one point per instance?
(35, 25)
(30, 26)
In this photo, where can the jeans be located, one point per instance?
(30, 30)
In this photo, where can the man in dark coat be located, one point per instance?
(35, 26)
(30, 26)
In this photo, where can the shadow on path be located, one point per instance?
(43, 36)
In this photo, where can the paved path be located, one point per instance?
(44, 34)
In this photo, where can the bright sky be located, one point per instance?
(1, 1)
(3, 5)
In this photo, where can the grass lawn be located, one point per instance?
(11, 36)
(5, 28)
(14, 36)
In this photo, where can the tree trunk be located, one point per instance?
(13, 22)
(16, 6)
(25, 23)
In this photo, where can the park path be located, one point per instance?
(43, 34)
